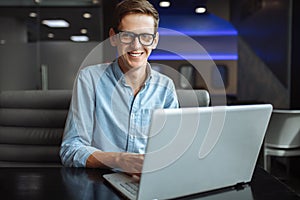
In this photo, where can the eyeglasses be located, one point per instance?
(126, 37)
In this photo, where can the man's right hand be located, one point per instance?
(130, 163)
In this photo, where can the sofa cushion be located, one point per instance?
(36, 99)
(29, 153)
(30, 135)
(33, 117)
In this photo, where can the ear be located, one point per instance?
(154, 45)
(112, 37)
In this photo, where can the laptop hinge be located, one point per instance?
(241, 186)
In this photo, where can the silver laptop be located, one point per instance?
(195, 150)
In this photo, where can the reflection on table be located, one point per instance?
(81, 183)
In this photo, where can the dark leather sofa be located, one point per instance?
(32, 124)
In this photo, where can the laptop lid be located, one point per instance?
(192, 150)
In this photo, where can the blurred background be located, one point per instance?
(253, 45)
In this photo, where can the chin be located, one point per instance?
(136, 65)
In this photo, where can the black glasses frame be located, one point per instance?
(135, 36)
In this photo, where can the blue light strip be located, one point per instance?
(196, 25)
(200, 33)
(193, 57)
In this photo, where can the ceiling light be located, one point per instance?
(164, 4)
(87, 15)
(33, 14)
(50, 35)
(79, 38)
(56, 23)
(83, 31)
(200, 10)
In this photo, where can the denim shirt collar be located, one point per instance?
(119, 75)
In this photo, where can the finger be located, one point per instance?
(136, 177)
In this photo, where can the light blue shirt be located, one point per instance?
(105, 115)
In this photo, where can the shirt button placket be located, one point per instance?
(131, 133)
(133, 124)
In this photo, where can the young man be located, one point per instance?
(111, 106)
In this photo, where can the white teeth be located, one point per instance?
(135, 54)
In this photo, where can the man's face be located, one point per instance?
(134, 55)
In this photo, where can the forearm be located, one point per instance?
(127, 162)
(100, 159)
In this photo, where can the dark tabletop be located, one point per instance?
(80, 183)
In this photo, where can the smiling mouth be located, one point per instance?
(135, 54)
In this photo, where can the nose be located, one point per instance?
(136, 43)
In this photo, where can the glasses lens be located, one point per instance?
(146, 39)
(126, 37)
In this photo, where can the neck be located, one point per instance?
(135, 77)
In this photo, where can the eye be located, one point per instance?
(126, 35)
(146, 37)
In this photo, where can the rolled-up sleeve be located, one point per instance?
(77, 139)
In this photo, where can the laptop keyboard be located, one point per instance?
(131, 187)
(124, 183)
